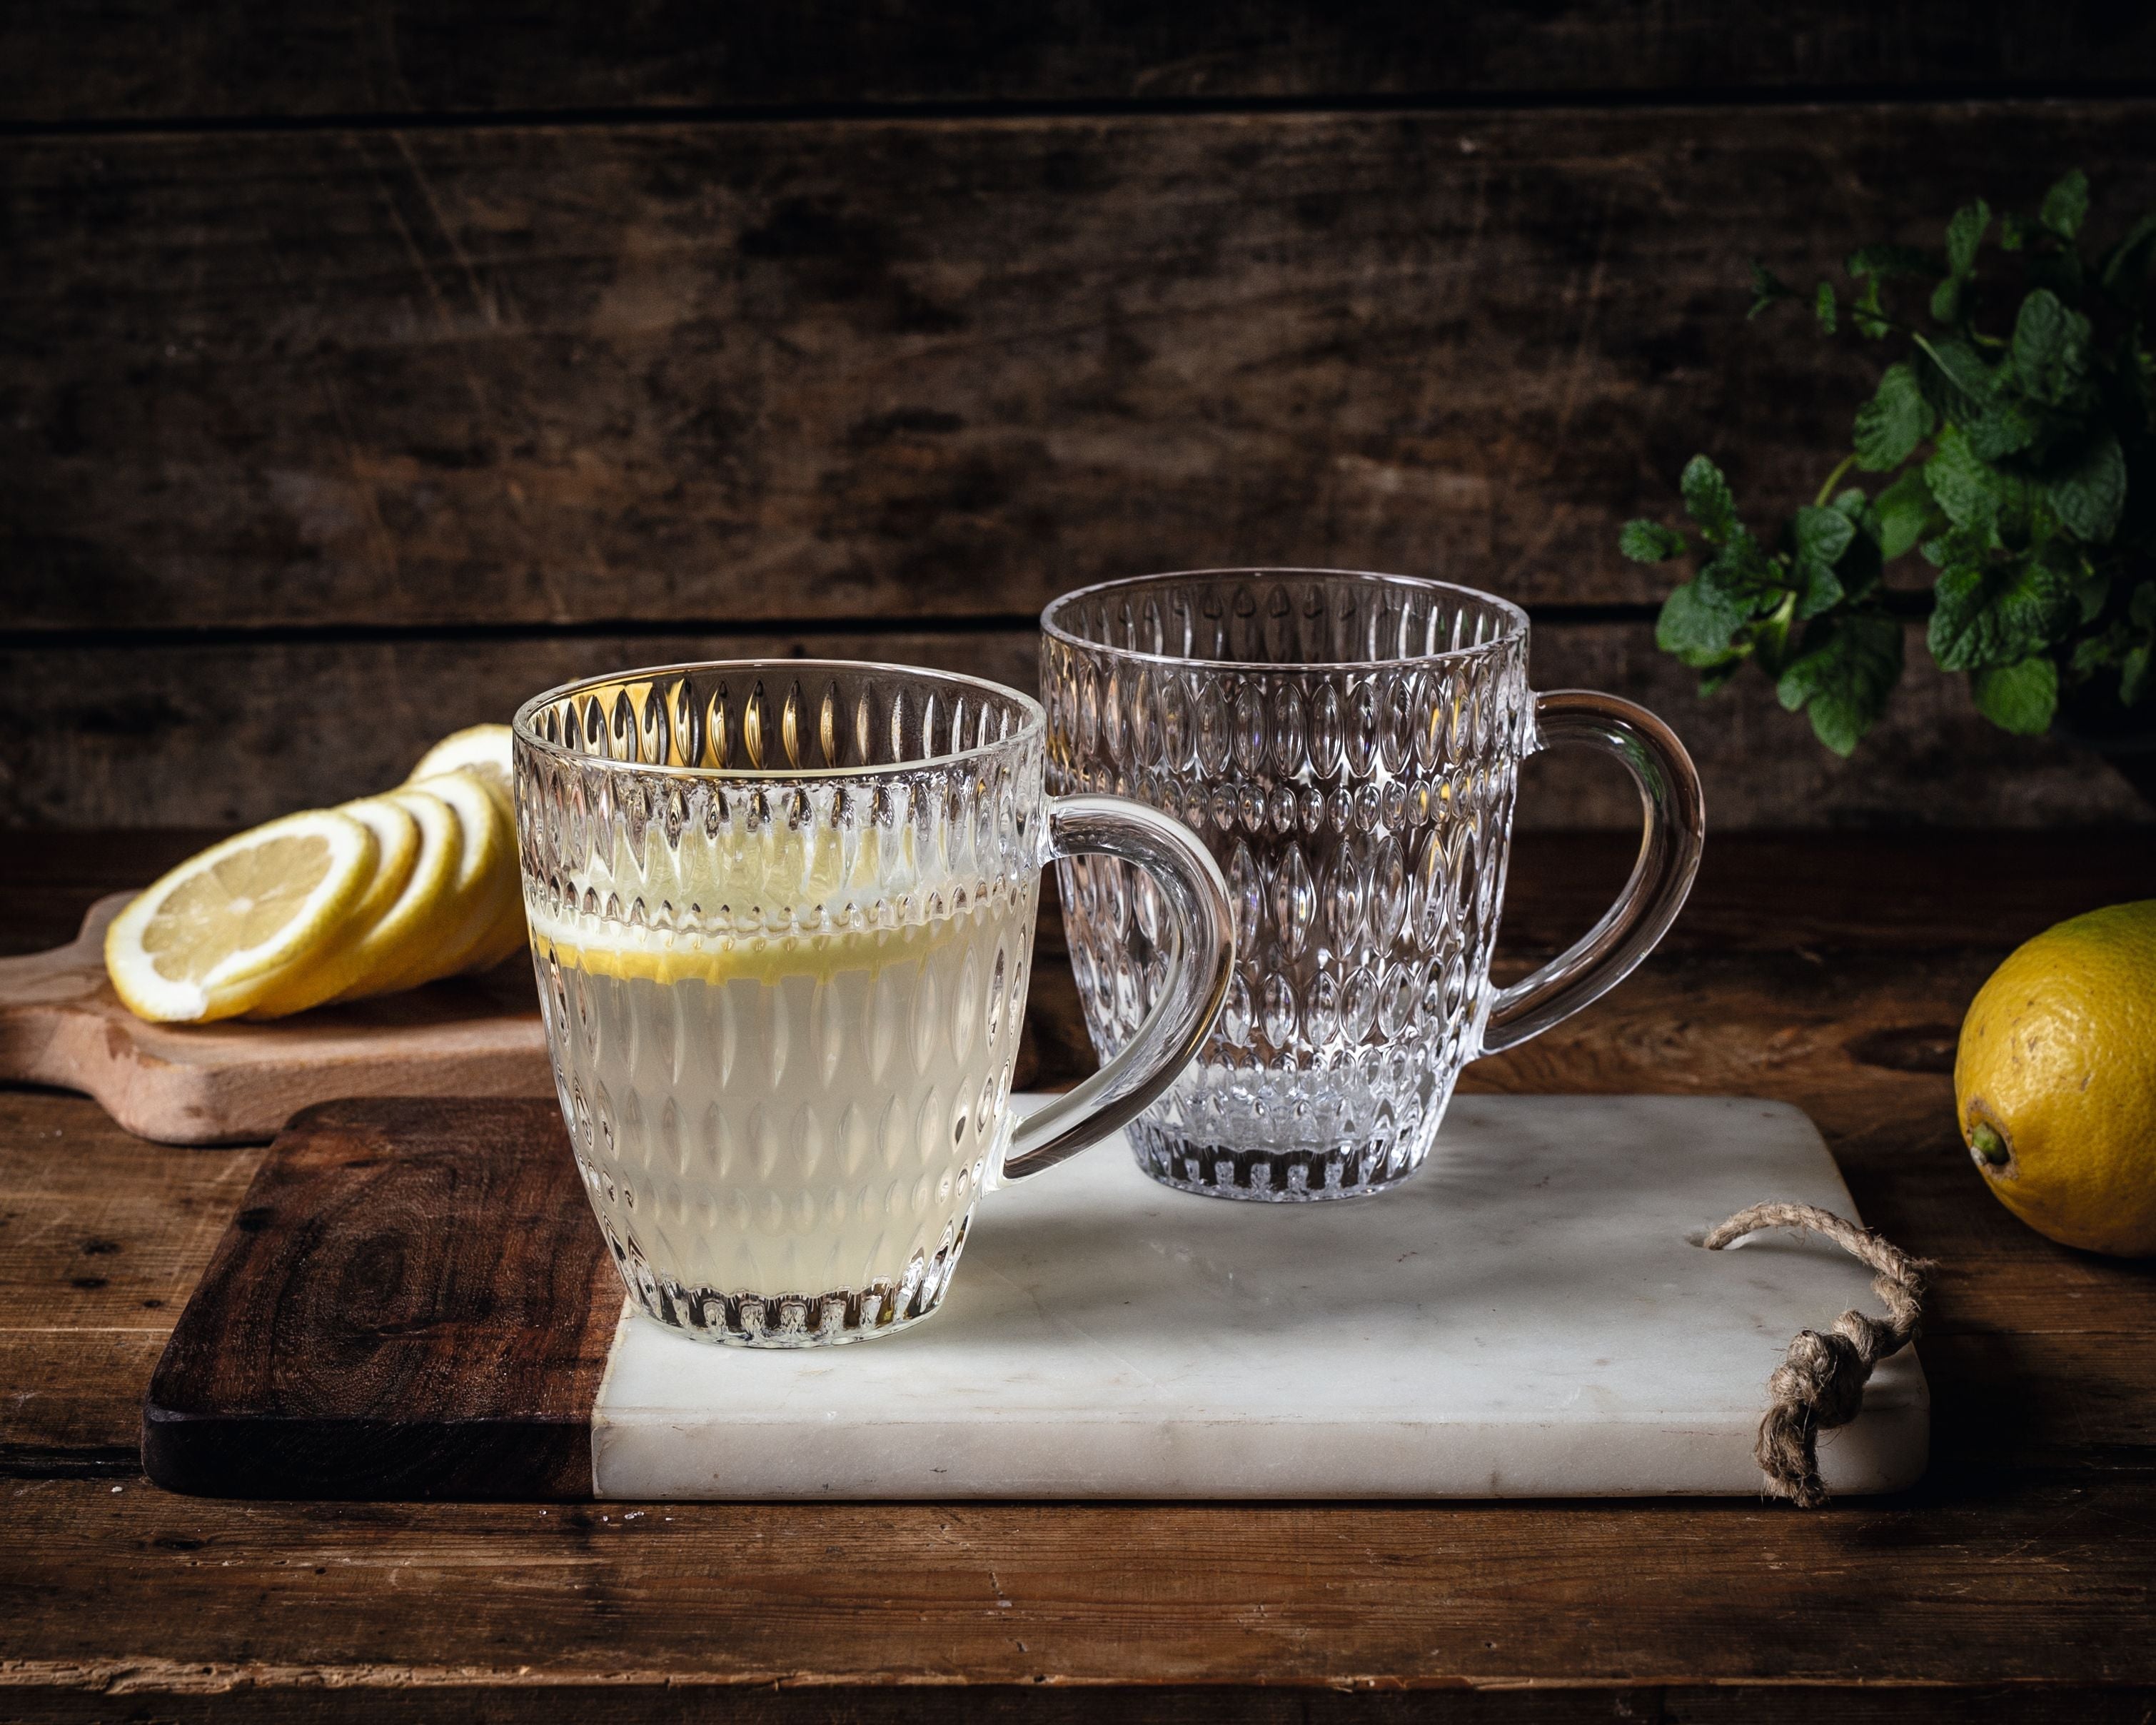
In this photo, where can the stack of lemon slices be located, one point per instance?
(334, 904)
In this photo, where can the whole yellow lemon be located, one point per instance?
(2055, 1081)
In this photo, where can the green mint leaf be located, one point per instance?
(2041, 332)
(1884, 262)
(1966, 369)
(1819, 588)
(1891, 425)
(1851, 503)
(1818, 540)
(1847, 668)
(2051, 347)
(2124, 271)
(1955, 379)
(1973, 492)
(1767, 288)
(2091, 587)
(1697, 624)
(2133, 679)
(2001, 429)
(1820, 536)
(1745, 576)
(2020, 697)
(1870, 321)
(1650, 543)
(1969, 493)
(2088, 497)
(2093, 653)
(1824, 307)
(1860, 566)
(2065, 205)
(1956, 547)
(1965, 235)
(1947, 300)
(1707, 501)
(1995, 614)
(1906, 513)
(2015, 231)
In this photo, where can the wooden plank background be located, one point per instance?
(355, 382)
(150, 61)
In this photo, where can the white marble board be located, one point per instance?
(1529, 1316)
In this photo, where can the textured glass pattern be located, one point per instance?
(1347, 747)
(783, 919)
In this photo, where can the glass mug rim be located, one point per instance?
(1517, 622)
(1033, 723)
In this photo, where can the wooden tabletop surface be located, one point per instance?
(1830, 971)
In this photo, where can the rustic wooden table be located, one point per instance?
(1830, 971)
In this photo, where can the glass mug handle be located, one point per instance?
(1200, 966)
(1674, 832)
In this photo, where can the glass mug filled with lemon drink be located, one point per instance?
(782, 913)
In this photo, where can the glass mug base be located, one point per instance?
(755, 1319)
(1278, 1173)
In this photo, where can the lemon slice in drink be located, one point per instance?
(481, 749)
(216, 934)
(346, 950)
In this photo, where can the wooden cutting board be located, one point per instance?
(414, 1302)
(229, 1083)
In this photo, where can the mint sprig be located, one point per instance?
(2014, 439)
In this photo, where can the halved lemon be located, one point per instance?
(343, 955)
(483, 749)
(215, 936)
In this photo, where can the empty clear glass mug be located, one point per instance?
(782, 914)
(1348, 745)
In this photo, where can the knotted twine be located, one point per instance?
(1820, 1383)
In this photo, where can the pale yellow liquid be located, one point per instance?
(788, 1115)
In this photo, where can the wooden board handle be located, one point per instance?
(236, 1082)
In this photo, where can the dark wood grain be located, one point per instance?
(135, 59)
(1040, 1704)
(391, 1255)
(188, 735)
(1907, 1592)
(709, 373)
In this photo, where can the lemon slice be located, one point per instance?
(400, 950)
(507, 933)
(345, 951)
(486, 871)
(482, 749)
(511, 934)
(213, 936)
